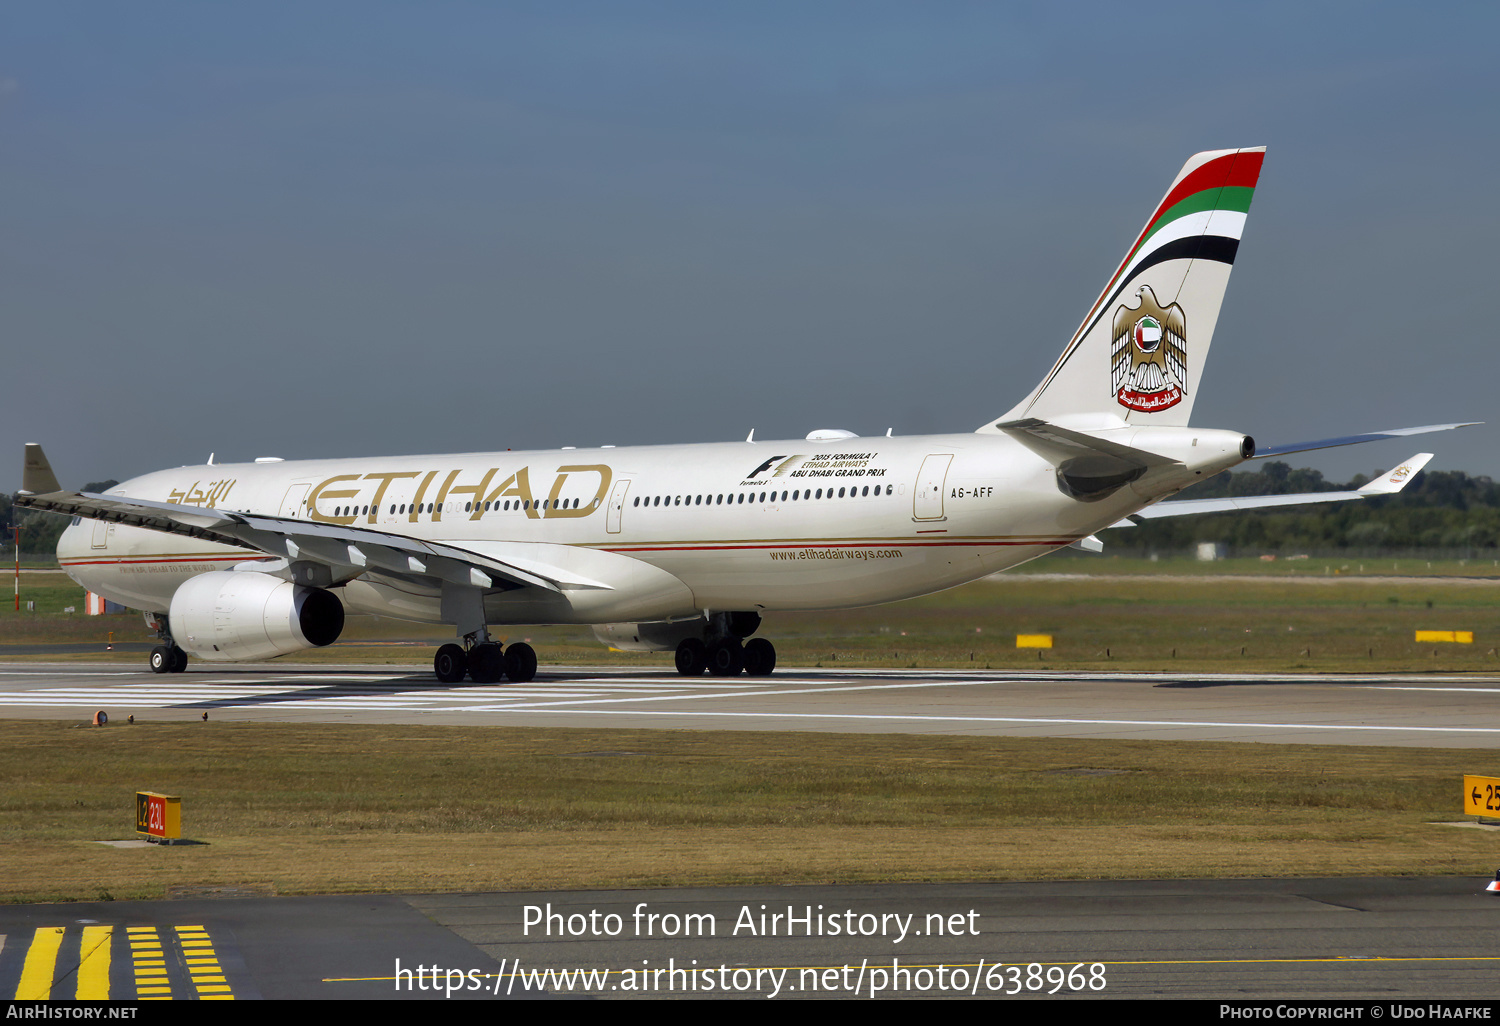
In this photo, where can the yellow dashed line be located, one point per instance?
(203, 964)
(151, 983)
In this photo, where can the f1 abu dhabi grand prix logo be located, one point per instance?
(1148, 355)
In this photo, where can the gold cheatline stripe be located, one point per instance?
(41, 960)
(93, 970)
(878, 540)
(890, 540)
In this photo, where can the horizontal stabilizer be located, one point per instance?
(1088, 468)
(1059, 445)
(1386, 484)
(1373, 436)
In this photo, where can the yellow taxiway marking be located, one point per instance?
(203, 964)
(41, 962)
(93, 968)
(151, 982)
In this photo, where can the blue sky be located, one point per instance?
(323, 229)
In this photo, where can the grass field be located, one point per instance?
(1185, 616)
(1291, 567)
(346, 808)
(308, 808)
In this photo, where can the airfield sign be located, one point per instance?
(1481, 796)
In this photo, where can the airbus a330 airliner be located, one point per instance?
(683, 547)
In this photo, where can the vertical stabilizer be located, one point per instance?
(36, 473)
(1139, 354)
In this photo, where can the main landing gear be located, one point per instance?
(166, 657)
(724, 654)
(485, 662)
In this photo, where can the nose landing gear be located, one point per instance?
(166, 657)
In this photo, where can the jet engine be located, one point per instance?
(227, 615)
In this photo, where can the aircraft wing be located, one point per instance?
(312, 553)
(1372, 436)
(1387, 484)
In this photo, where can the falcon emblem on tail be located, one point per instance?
(1148, 354)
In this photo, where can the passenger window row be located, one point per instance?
(740, 498)
(494, 506)
(729, 498)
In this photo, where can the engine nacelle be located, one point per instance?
(225, 616)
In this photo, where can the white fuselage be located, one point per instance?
(742, 526)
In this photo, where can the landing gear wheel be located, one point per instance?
(726, 658)
(760, 657)
(178, 660)
(161, 659)
(520, 662)
(450, 663)
(692, 658)
(486, 664)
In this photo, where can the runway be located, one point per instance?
(1235, 940)
(1430, 711)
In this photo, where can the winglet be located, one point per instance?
(36, 474)
(1389, 484)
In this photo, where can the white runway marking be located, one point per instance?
(1022, 720)
(350, 692)
(1466, 691)
(1241, 707)
(841, 687)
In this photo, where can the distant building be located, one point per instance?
(1210, 551)
(97, 605)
